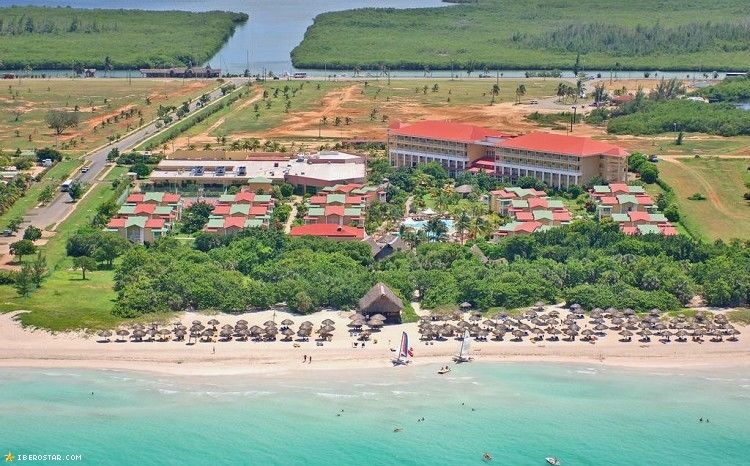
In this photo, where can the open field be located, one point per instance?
(59, 38)
(96, 99)
(498, 34)
(724, 214)
(370, 106)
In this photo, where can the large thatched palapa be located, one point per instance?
(381, 300)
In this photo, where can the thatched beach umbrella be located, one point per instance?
(287, 322)
(465, 305)
(138, 335)
(288, 334)
(105, 334)
(627, 335)
(121, 334)
(357, 316)
(197, 322)
(518, 334)
(164, 333)
(180, 334)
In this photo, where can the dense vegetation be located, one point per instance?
(590, 263)
(729, 90)
(682, 115)
(550, 34)
(65, 38)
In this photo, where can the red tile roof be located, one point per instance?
(221, 209)
(318, 199)
(258, 210)
(117, 223)
(562, 144)
(617, 188)
(170, 198)
(609, 200)
(354, 200)
(135, 198)
(144, 209)
(444, 131)
(155, 223)
(639, 216)
(334, 210)
(668, 230)
(629, 230)
(644, 199)
(538, 202)
(561, 215)
(244, 196)
(236, 222)
(529, 227)
(347, 188)
(328, 230)
(524, 216)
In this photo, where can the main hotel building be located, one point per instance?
(557, 159)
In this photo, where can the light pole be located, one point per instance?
(573, 117)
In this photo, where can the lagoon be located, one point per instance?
(585, 414)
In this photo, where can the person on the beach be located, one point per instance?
(309, 359)
(700, 420)
(304, 358)
(213, 350)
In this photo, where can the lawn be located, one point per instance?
(97, 100)
(59, 38)
(724, 214)
(54, 177)
(693, 144)
(549, 34)
(65, 301)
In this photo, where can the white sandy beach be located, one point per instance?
(20, 347)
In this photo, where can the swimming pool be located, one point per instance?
(420, 224)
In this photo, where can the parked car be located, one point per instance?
(653, 158)
(7, 233)
(84, 169)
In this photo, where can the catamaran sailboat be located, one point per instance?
(463, 352)
(403, 352)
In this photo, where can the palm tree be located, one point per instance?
(463, 222)
(436, 229)
(520, 92)
(495, 89)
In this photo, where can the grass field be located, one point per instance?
(545, 35)
(65, 301)
(29, 100)
(57, 38)
(724, 214)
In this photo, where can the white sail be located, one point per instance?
(464, 354)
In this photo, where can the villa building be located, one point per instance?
(139, 229)
(338, 209)
(631, 209)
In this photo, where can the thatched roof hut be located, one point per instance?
(381, 300)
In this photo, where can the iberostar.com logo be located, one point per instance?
(9, 457)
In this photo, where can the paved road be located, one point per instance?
(61, 206)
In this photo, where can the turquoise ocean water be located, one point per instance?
(518, 412)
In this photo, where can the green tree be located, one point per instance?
(38, 269)
(195, 217)
(24, 283)
(463, 222)
(22, 248)
(109, 247)
(436, 229)
(649, 172)
(520, 92)
(46, 195)
(61, 120)
(75, 191)
(84, 263)
(32, 233)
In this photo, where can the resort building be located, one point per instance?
(457, 146)
(234, 212)
(259, 171)
(369, 193)
(559, 160)
(501, 199)
(631, 208)
(556, 159)
(338, 209)
(139, 229)
(331, 231)
(519, 228)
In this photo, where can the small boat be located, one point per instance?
(444, 370)
(487, 457)
(553, 461)
(403, 352)
(463, 352)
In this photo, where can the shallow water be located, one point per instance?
(518, 412)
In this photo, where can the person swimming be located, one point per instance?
(397, 429)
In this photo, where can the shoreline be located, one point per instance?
(25, 348)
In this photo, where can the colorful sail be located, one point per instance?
(403, 352)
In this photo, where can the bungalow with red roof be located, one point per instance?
(620, 199)
(519, 228)
(139, 229)
(501, 199)
(454, 145)
(331, 231)
(369, 193)
(559, 160)
(339, 209)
